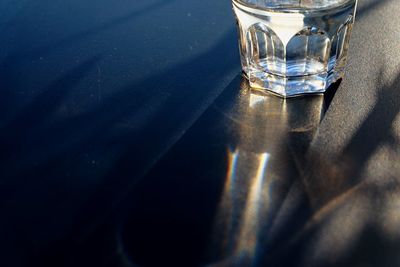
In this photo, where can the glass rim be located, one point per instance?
(291, 9)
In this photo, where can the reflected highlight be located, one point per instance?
(231, 174)
(227, 202)
(256, 99)
(249, 229)
(270, 136)
(225, 218)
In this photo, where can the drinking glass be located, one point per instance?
(294, 47)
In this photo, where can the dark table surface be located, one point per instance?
(129, 138)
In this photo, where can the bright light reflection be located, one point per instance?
(233, 157)
(239, 225)
(228, 196)
(249, 229)
(256, 99)
(226, 210)
(286, 26)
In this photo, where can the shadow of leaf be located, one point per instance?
(332, 182)
(137, 124)
(17, 56)
(345, 171)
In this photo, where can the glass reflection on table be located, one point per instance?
(272, 136)
(227, 193)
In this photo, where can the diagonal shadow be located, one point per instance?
(17, 56)
(124, 166)
(130, 17)
(346, 170)
(131, 99)
(15, 137)
(97, 126)
(47, 101)
(328, 181)
(12, 21)
(157, 114)
(195, 92)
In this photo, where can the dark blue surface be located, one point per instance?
(92, 95)
(98, 96)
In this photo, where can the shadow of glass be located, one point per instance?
(276, 196)
(240, 205)
(262, 187)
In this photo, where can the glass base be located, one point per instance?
(293, 86)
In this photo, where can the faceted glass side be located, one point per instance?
(266, 50)
(294, 53)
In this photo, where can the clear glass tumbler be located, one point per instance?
(294, 47)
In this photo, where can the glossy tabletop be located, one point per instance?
(129, 138)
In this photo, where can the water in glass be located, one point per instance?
(294, 47)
